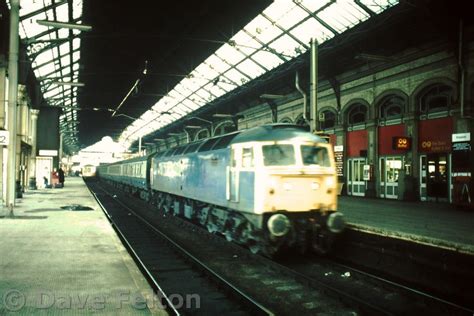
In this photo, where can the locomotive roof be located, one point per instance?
(276, 132)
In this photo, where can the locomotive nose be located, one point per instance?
(278, 225)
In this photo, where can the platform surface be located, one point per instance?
(63, 262)
(440, 224)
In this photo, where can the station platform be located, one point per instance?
(56, 261)
(438, 224)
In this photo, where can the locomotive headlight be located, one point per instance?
(329, 182)
(278, 225)
(336, 222)
(287, 186)
(315, 185)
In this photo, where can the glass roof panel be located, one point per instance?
(250, 68)
(314, 6)
(236, 76)
(285, 46)
(292, 15)
(263, 29)
(217, 64)
(190, 104)
(229, 54)
(342, 15)
(204, 71)
(246, 44)
(378, 5)
(262, 45)
(267, 59)
(311, 29)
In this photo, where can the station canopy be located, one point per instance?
(54, 51)
(280, 33)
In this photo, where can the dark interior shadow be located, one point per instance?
(40, 210)
(24, 217)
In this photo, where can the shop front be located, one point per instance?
(434, 146)
(392, 145)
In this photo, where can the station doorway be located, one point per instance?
(434, 177)
(389, 173)
(356, 185)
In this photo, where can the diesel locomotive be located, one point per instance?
(268, 187)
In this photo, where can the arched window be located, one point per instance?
(357, 114)
(224, 128)
(301, 121)
(204, 133)
(285, 120)
(327, 119)
(435, 98)
(391, 107)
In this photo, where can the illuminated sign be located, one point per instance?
(401, 143)
(46, 152)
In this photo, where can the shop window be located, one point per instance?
(327, 119)
(435, 98)
(391, 107)
(357, 114)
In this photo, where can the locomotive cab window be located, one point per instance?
(278, 155)
(313, 155)
(247, 157)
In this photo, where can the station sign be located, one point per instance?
(3, 138)
(47, 152)
(401, 143)
(339, 157)
(461, 137)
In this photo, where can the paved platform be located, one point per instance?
(61, 262)
(439, 224)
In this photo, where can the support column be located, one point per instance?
(22, 134)
(32, 166)
(313, 86)
(12, 100)
(3, 97)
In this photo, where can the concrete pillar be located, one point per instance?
(3, 97)
(12, 101)
(22, 130)
(32, 166)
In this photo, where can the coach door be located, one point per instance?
(233, 174)
(355, 176)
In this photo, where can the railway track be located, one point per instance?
(350, 291)
(184, 284)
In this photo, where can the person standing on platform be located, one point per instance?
(61, 177)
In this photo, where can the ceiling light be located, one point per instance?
(57, 24)
(69, 83)
(222, 115)
(271, 96)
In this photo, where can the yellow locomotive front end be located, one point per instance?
(297, 193)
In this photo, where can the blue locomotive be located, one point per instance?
(267, 187)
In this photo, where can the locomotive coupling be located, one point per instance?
(278, 225)
(335, 222)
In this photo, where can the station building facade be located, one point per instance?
(394, 124)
